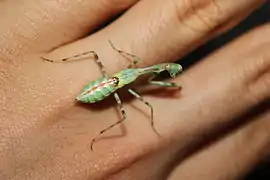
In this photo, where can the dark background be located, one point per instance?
(259, 17)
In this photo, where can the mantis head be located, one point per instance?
(173, 69)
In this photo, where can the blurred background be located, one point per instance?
(259, 17)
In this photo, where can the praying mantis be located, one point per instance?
(101, 88)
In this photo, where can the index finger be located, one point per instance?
(42, 25)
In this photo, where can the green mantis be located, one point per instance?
(106, 85)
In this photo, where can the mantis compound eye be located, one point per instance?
(174, 69)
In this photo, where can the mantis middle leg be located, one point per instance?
(134, 93)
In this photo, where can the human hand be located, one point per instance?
(46, 135)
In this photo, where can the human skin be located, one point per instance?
(219, 120)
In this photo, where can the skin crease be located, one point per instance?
(223, 108)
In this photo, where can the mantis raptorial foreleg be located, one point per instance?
(162, 83)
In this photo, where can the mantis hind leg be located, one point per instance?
(135, 58)
(123, 114)
(101, 66)
(147, 104)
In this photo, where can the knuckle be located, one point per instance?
(258, 75)
(260, 89)
(199, 16)
(254, 68)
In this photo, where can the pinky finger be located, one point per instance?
(235, 154)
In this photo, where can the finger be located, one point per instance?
(235, 154)
(167, 31)
(173, 28)
(222, 87)
(42, 25)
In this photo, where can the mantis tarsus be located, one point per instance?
(101, 88)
